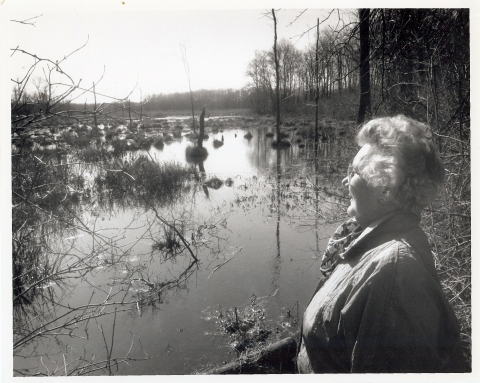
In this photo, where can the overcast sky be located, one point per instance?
(142, 47)
(136, 44)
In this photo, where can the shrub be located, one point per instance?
(109, 136)
(194, 154)
(214, 183)
(158, 143)
(145, 142)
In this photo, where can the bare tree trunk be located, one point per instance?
(316, 89)
(129, 113)
(95, 107)
(141, 106)
(183, 49)
(277, 80)
(193, 112)
(364, 109)
(202, 129)
(340, 73)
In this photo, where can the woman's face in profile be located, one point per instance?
(364, 205)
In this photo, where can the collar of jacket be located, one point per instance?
(388, 227)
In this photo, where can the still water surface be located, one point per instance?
(266, 224)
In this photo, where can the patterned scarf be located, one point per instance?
(340, 241)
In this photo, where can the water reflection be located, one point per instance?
(133, 256)
(237, 156)
(278, 258)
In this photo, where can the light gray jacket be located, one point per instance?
(382, 309)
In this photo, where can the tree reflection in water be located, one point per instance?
(64, 247)
(94, 244)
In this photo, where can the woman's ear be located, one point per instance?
(383, 194)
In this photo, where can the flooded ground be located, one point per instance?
(255, 218)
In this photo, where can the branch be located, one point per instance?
(296, 18)
(222, 264)
(27, 21)
(315, 26)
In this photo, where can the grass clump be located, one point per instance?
(120, 146)
(144, 179)
(145, 142)
(92, 155)
(214, 183)
(158, 143)
(195, 154)
(73, 139)
(246, 328)
(170, 242)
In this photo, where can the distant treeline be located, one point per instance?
(212, 99)
(417, 61)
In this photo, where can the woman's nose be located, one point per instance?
(345, 182)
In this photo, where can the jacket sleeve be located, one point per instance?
(397, 318)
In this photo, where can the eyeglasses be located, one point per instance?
(351, 172)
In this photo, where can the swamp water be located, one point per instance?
(258, 236)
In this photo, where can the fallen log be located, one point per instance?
(276, 358)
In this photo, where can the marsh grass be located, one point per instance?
(252, 337)
(246, 328)
(142, 178)
(72, 139)
(145, 142)
(94, 154)
(49, 197)
(170, 241)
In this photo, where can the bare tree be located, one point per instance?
(317, 57)
(183, 50)
(277, 77)
(364, 107)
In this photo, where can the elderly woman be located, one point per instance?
(380, 307)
